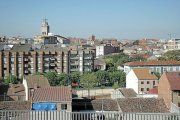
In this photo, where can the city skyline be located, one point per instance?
(103, 18)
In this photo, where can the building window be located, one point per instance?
(179, 93)
(142, 89)
(164, 69)
(154, 82)
(142, 82)
(177, 69)
(63, 106)
(171, 68)
(147, 89)
(147, 82)
(12, 59)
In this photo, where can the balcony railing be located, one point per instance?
(66, 115)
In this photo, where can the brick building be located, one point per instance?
(169, 88)
(20, 60)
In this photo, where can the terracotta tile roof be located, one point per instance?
(38, 80)
(144, 74)
(174, 80)
(52, 94)
(128, 92)
(16, 89)
(15, 105)
(143, 105)
(108, 105)
(152, 63)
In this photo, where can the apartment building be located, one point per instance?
(24, 60)
(173, 44)
(20, 60)
(81, 60)
(155, 66)
(105, 49)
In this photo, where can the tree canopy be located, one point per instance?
(173, 55)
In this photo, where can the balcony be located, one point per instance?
(52, 65)
(88, 57)
(46, 59)
(88, 63)
(74, 69)
(26, 71)
(74, 63)
(52, 59)
(74, 58)
(26, 65)
(26, 59)
(46, 65)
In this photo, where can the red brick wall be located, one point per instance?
(164, 90)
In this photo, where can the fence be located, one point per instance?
(63, 115)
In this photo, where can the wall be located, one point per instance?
(164, 90)
(69, 106)
(176, 97)
(132, 81)
(145, 85)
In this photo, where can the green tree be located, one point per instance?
(117, 77)
(11, 79)
(117, 59)
(52, 77)
(115, 86)
(102, 76)
(137, 58)
(88, 80)
(158, 75)
(74, 77)
(173, 55)
(63, 79)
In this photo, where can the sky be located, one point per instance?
(121, 19)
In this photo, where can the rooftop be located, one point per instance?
(16, 89)
(142, 105)
(15, 105)
(128, 92)
(108, 105)
(152, 63)
(144, 74)
(52, 94)
(38, 80)
(174, 80)
(22, 47)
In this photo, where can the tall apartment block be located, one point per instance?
(20, 60)
(81, 60)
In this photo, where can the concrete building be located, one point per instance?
(45, 29)
(81, 60)
(155, 66)
(173, 44)
(105, 49)
(141, 80)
